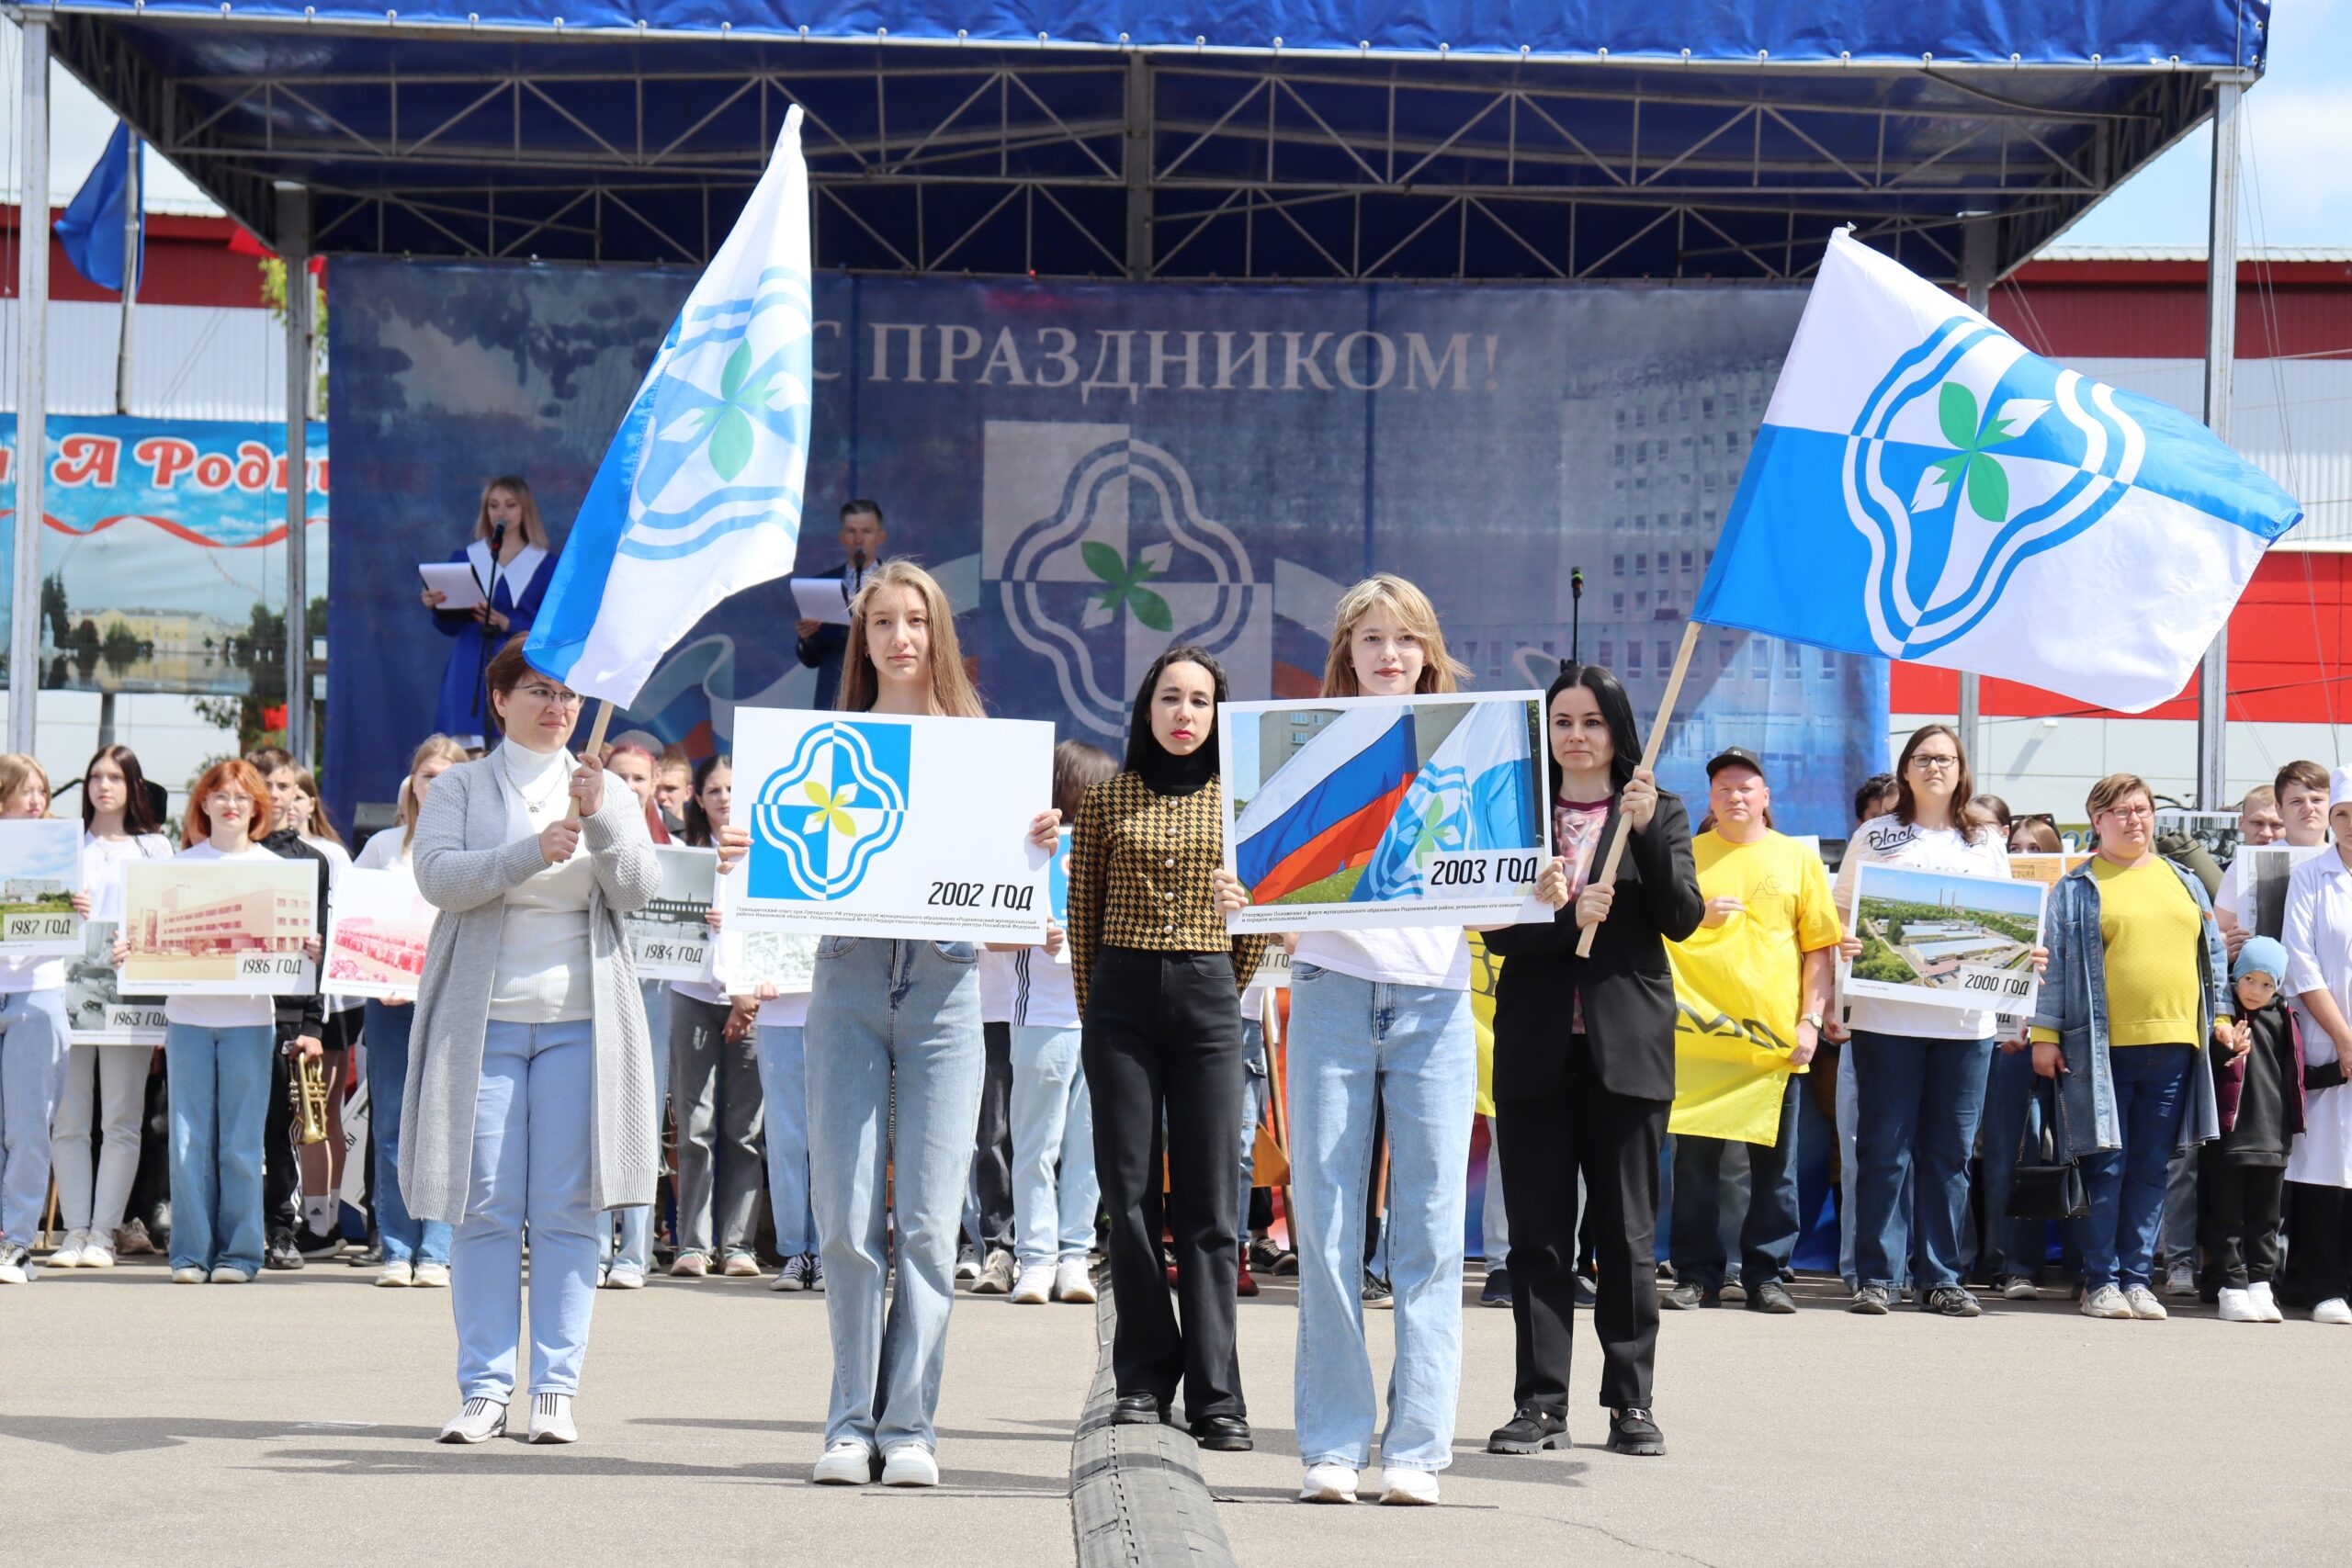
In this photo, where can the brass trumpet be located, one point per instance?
(306, 1087)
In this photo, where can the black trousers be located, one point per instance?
(1614, 1140)
(992, 1154)
(2239, 1226)
(281, 1170)
(1163, 1039)
(2319, 1266)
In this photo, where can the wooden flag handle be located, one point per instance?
(1607, 873)
(595, 744)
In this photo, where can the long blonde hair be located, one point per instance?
(535, 532)
(434, 746)
(952, 693)
(14, 769)
(1439, 669)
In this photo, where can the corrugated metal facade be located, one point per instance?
(187, 361)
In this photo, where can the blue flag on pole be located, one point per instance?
(699, 497)
(90, 228)
(1924, 488)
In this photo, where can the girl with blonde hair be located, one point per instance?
(512, 563)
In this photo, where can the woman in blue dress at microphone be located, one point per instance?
(513, 564)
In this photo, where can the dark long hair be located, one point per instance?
(698, 828)
(139, 814)
(1144, 750)
(1966, 814)
(1616, 711)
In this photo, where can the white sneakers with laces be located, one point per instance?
(1072, 1282)
(2106, 1302)
(2145, 1305)
(98, 1250)
(70, 1255)
(1035, 1285)
(15, 1264)
(846, 1463)
(398, 1274)
(1328, 1484)
(1409, 1487)
(908, 1464)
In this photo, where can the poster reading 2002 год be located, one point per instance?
(1351, 812)
(874, 825)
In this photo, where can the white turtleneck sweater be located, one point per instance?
(542, 975)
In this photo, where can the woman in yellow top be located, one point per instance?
(2135, 982)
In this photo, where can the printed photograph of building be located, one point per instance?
(201, 925)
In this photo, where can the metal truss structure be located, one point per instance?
(1169, 165)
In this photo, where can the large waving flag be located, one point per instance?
(698, 496)
(1471, 795)
(1327, 808)
(1924, 488)
(90, 230)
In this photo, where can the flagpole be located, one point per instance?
(1608, 874)
(595, 741)
(131, 202)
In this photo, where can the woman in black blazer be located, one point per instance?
(1584, 1066)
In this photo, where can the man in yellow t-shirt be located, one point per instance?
(1756, 976)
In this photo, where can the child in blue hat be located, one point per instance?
(2258, 1082)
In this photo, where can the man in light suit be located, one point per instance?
(821, 645)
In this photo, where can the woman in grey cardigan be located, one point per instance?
(529, 1100)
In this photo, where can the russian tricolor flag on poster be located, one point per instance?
(1330, 806)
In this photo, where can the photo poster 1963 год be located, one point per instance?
(96, 1012)
(880, 825)
(378, 925)
(220, 927)
(41, 870)
(1349, 813)
(1948, 939)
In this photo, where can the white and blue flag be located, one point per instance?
(1924, 488)
(699, 497)
(1472, 794)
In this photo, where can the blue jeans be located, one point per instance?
(32, 1062)
(1414, 1047)
(1055, 1192)
(402, 1236)
(220, 1092)
(1767, 1230)
(1917, 1105)
(1253, 1109)
(636, 1225)
(783, 1086)
(533, 1123)
(2126, 1186)
(2010, 1246)
(882, 1010)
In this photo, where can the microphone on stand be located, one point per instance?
(856, 570)
(1576, 611)
(489, 591)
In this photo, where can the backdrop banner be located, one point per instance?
(162, 556)
(1095, 471)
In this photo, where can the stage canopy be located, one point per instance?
(1360, 139)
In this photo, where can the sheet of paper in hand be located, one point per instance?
(96, 1013)
(220, 927)
(875, 825)
(671, 936)
(377, 926)
(1343, 813)
(1945, 938)
(749, 960)
(41, 870)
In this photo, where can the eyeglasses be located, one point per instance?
(550, 696)
(2130, 813)
(1935, 764)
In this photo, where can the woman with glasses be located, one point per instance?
(529, 1100)
(1919, 1069)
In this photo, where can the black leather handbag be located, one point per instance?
(2047, 1184)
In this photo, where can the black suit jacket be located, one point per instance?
(1626, 988)
(822, 651)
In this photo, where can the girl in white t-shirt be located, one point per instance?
(1379, 1013)
(32, 1041)
(119, 825)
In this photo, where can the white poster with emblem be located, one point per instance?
(876, 825)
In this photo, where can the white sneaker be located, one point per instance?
(398, 1274)
(909, 1464)
(2336, 1309)
(191, 1275)
(551, 1419)
(1328, 1484)
(97, 1250)
(968, 1263)
(70, 1255)
(431, 1277)
(1072, 1282)
(15, 1264)
(2265, 1303)
(2237, 1306)
(1408, 1486)
(2181, 1278)
(225, 1274)
(846, 1463)
(2143, 1305)
(2106, 1302)
(477, 1421)
(624, 1280)
(1035, 1286)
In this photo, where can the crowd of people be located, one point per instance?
(928, 1114)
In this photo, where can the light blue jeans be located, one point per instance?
(637, 1223)
(219, 1093)
(402, 1237)
(784, 1085)
(1253, 1111)
(882, 1010)
(1055, 1192)
(533, 1122)
(1414, 1047)
(32, 1061)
